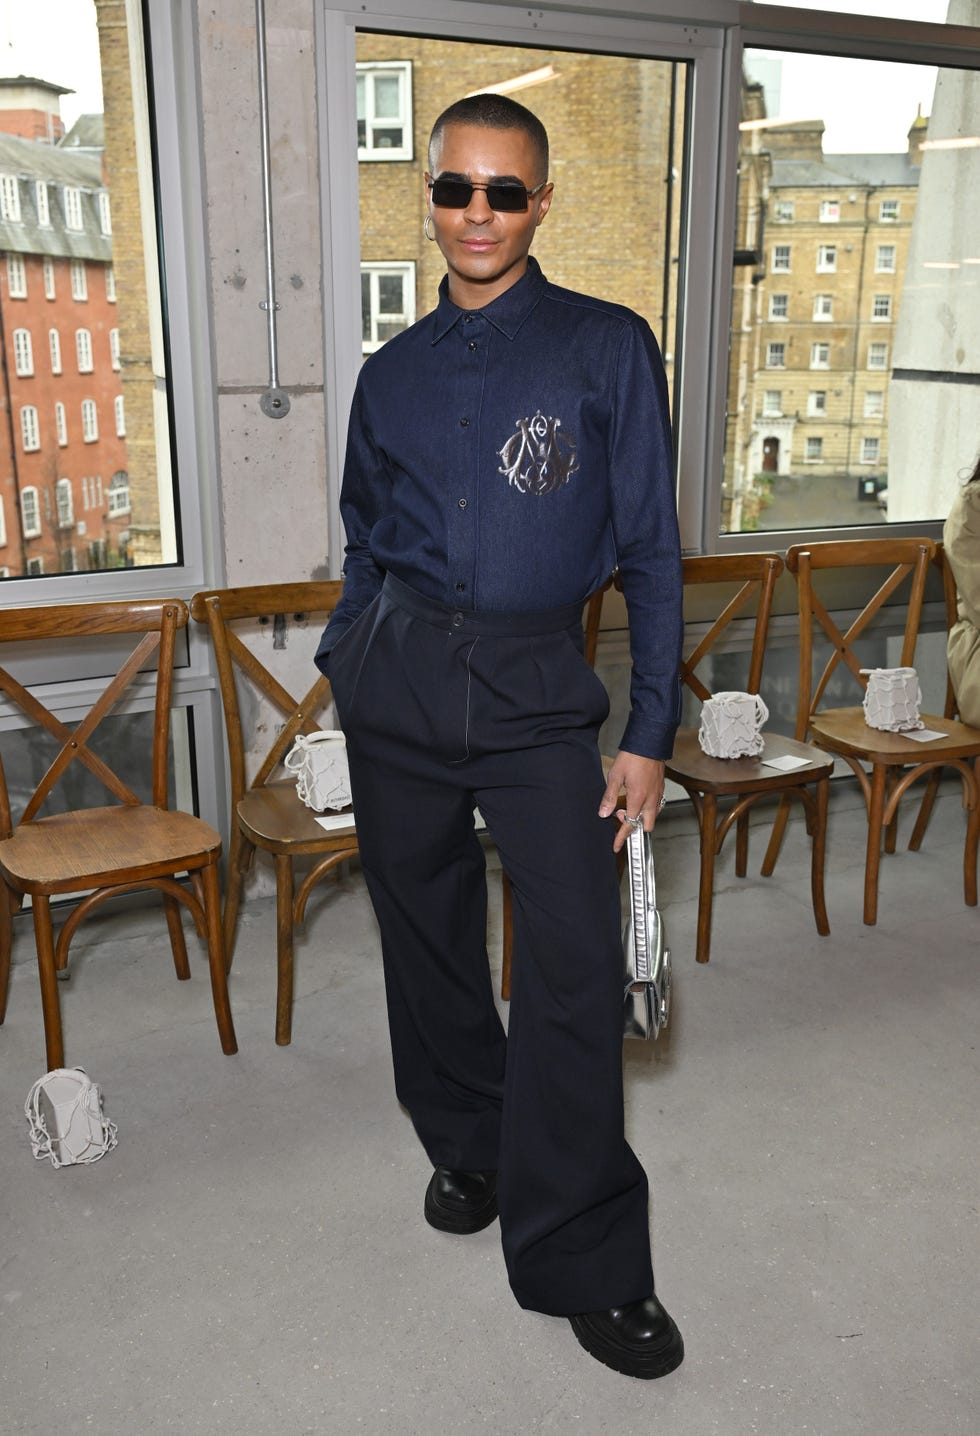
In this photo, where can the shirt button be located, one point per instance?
(457, 620)
(462, 504)
(460, 588)
(467, 319)
(471, 345)
(464, 423)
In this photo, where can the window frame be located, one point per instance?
(23, 354)
(874, 346)
(771, 347)
(827, 258)
(31, 529)
(813, 442)
(406, 150)
(781, 250)
(866, 441)
(90, 421)
(10, 199)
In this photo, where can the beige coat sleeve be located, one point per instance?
(961, 536)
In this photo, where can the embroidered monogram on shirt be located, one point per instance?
(539, 458)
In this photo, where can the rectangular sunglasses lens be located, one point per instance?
(507, 198)
(451, 194)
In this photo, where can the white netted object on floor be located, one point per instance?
(891, 699)
(68, 1125)
(319, 761)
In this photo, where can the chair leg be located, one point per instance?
(818, 853)
(876, 814)
(925, 809)
(284, 949)
(507, 893)
(44, 939)
(239, 854)
(891, 831)
(177, 944)
(742, 844)
(6, 943)
(216, 959)
(709, 819)
(970, 849)
(776, 838)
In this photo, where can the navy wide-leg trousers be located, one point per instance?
(443, 712)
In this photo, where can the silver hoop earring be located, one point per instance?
(425, 228)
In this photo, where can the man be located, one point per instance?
(504, 455)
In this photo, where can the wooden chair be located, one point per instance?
(896, 761)
(747, 583)
(266, 812)
(130, 845)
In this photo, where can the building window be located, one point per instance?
(68, 562)
(888, 210)
(779, 306)
(874, 404)
(83, 348)
(881, 306)
(877, 356)
(16, 277)
(775, 356)
(772, 403)
(35, 565)
(827, 259)
(823, 307)
(90, 421)
(813, 450)
(119, 493)
(49, 289)
(384, 111)
(30, 512)
(66, 509)
(79, 283)
(23, 353)
(114, 347)
(781, 258)
(73, 209)
(105, 216)
(110, 284)
(783, 210)
(829, 211)
(387, 302)
(885, 259)
(61, 424)
(819, 356)
(119, 404)
(43, 208)
(870, 449)
(816, 403)
(54, 343)
(10, 198)
(29, 431)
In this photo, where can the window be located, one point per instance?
(781, 258)
(779, 306)
(66, 509)
(816, 403)
(110, 284)
(819, 356)
(83, 349)
(54, 343)
(23, 353)
(16, 277)
(73, 209)
(49, 289)
(86, 501)
(114, 348)
(43, 208)
(79, 284)
(29, 432)
(105, 216)
(384, 111)
(869, 450)
(823, 307)
(885, 259)
(30, 512)
(888, 210)
(783, 210)
(67, 561)
(90, 421)
(119, 493)
(772, 403)
(813, 450)
(775, 356)
(827, 259)
(387, 302)
(874, 404)
(881, 306)
(829, 211)
(9, 198)
(877, 356)
(60, 424)
(119, 405)
(35, 565)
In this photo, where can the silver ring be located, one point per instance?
(636, 822)
(662, 804)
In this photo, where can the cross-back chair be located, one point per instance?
(266, 812)
(100, 851)
(743, 585)
(896, 761)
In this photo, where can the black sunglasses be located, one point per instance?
(505, 198)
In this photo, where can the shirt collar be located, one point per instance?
(507, 312)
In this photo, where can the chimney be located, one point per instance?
(917, 133)
(31, 109)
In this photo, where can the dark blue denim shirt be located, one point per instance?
(507, 459)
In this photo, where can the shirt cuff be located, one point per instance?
(648, 739)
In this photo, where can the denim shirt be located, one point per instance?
(507, 459)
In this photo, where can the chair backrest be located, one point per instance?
(223, 611)
(749, 579)
(153, 624)
(906, 561)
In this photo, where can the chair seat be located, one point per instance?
(275, 818)
(68, 852)
(845, 730)
(690, 765)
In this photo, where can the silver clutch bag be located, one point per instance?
(647, 958)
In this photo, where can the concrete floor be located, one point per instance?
(252, 1257)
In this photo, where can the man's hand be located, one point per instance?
(643, 780)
